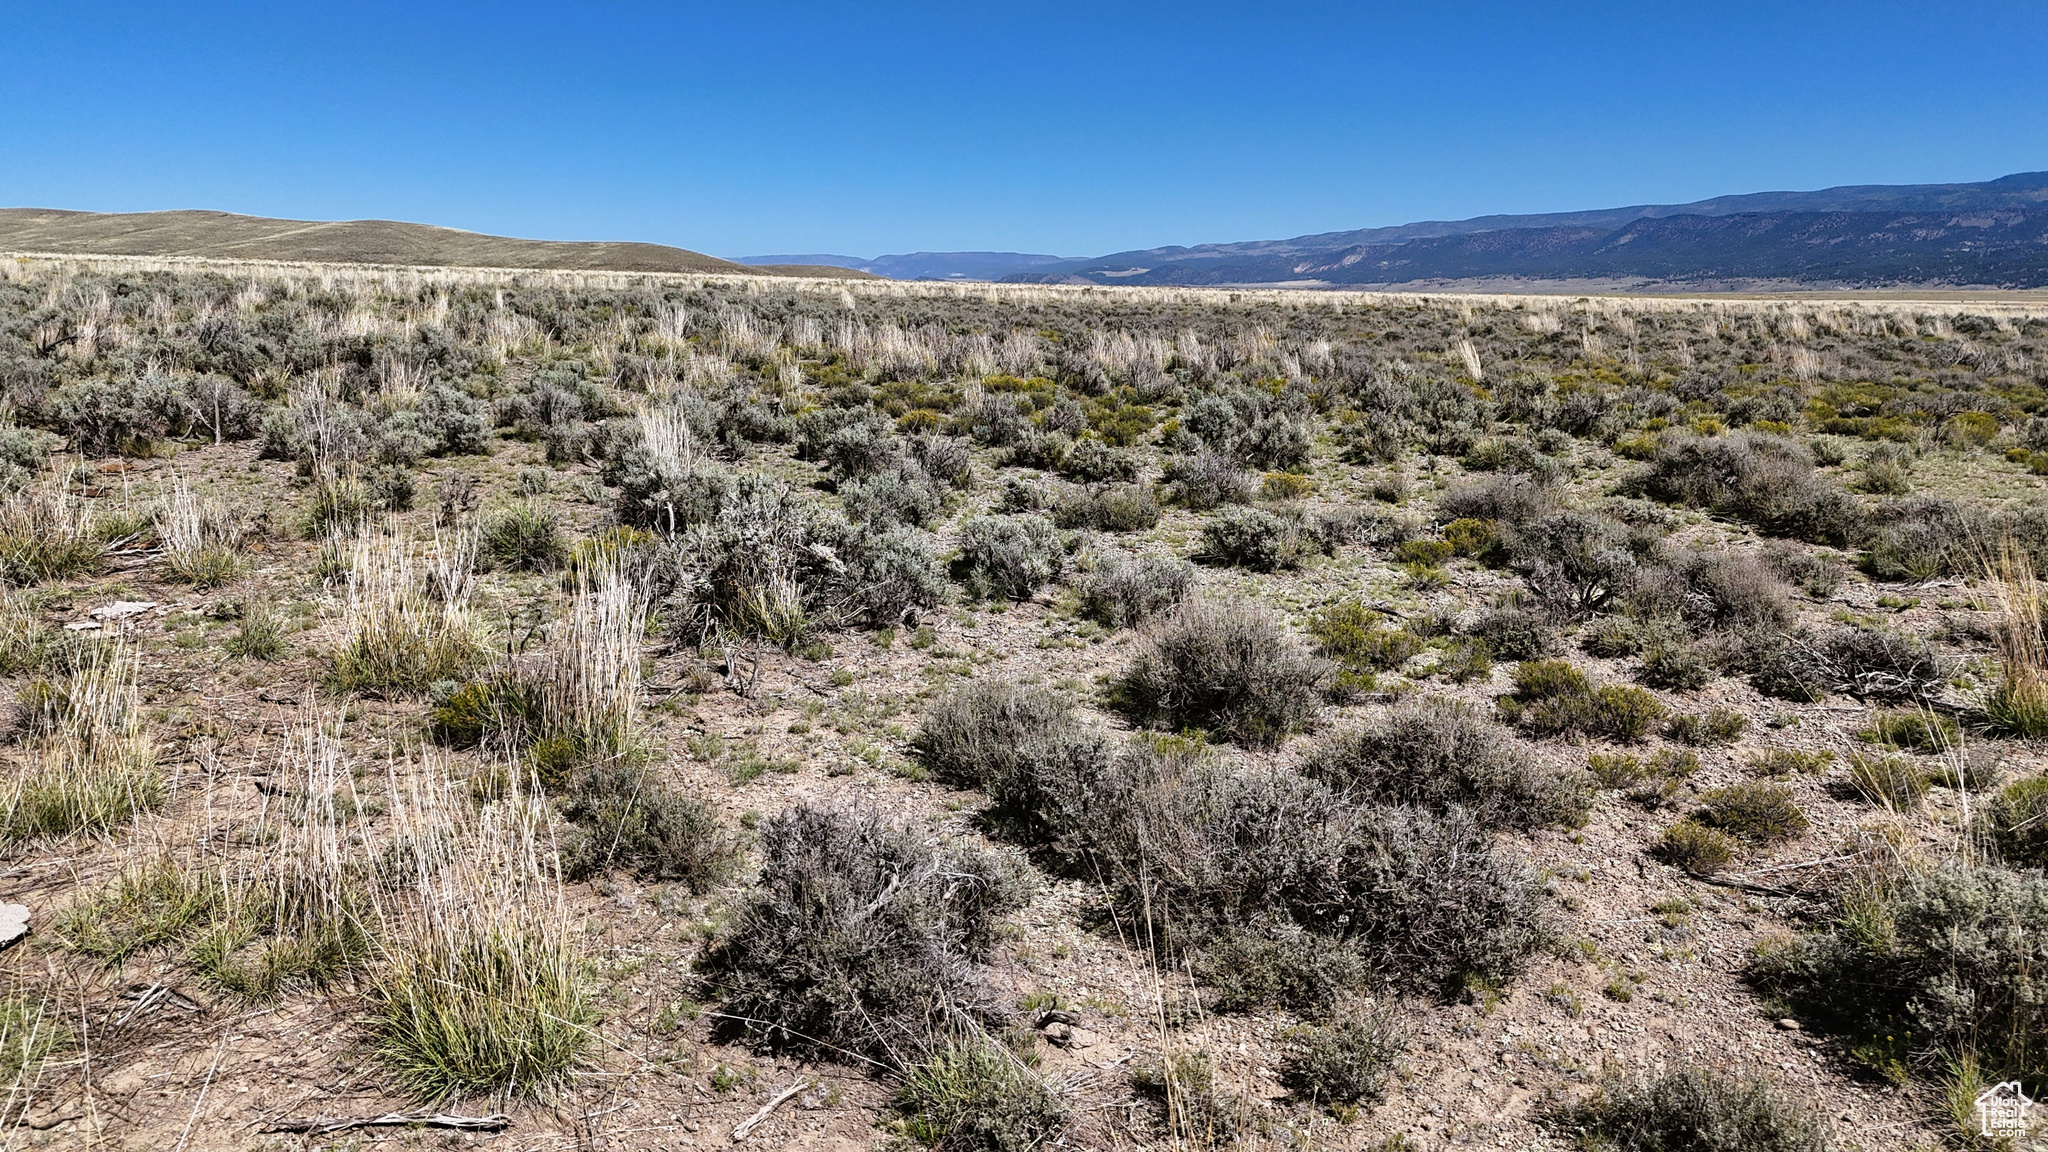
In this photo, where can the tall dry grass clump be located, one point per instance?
(575, 702)
(301, 914)
(2020, 702)
(202, 538)
(408, 616)
(588, 685)
(46, 533)
(98, 769)
(479, 990)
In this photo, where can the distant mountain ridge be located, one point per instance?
(1992, 233)
(225, 235)
(931, 265)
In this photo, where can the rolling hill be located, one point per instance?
(224, 235)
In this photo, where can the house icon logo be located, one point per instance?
(2002, 1111)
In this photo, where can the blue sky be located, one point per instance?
(1072, 128)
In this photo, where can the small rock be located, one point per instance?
(82, 626)
(1060, 1034)
(122, 609)
(13, 923)
(1789, 1024)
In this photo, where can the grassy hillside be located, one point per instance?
(224, 235)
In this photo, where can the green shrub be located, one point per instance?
(1472, 538)
(1429, 553)
(1914, 731)
(623, 816)
(1118, 508)
(984, 733)
(1437, 755)
(1344, 1063)
(2018, 822)
(1690, 1110)
(524, 537)
(1715, 726)
(1353, 635)
(1753, 811)
(1552, 698)
(860, 936)
(1463, 659)
(969, 1094)
(1616, 769)
(1232, 669)
(1256, 539)
(1890, 781)
(1123, 592)
(1916, 965)
(1009, 556)
(1696, 848)
(1782, 762)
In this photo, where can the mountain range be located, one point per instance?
(1990, 234)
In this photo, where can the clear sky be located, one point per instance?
(1072, 128)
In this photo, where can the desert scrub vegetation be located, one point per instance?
(1555, 698)
(406, 613)
(202, 539)
(46, 534)
(1123, 591)
(1697, 1109)
(1234, 670)
(523, 537)
(1197, 850)
(96, 767)
(984, 734)
(1009, 556)
(1345, 1063)
(969, 1092)
(2017, 822)
(1437, 755)
(861, 935)
(788, 469)
(1923, 962)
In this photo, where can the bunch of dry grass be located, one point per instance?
(589, 683)
(202, 538)
(301, 914)
(408, 616)
(98, 768)
(575, 703)
(479, 989)
(2020, 702)
(47, 534)
(24, 641)
(295, 914)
